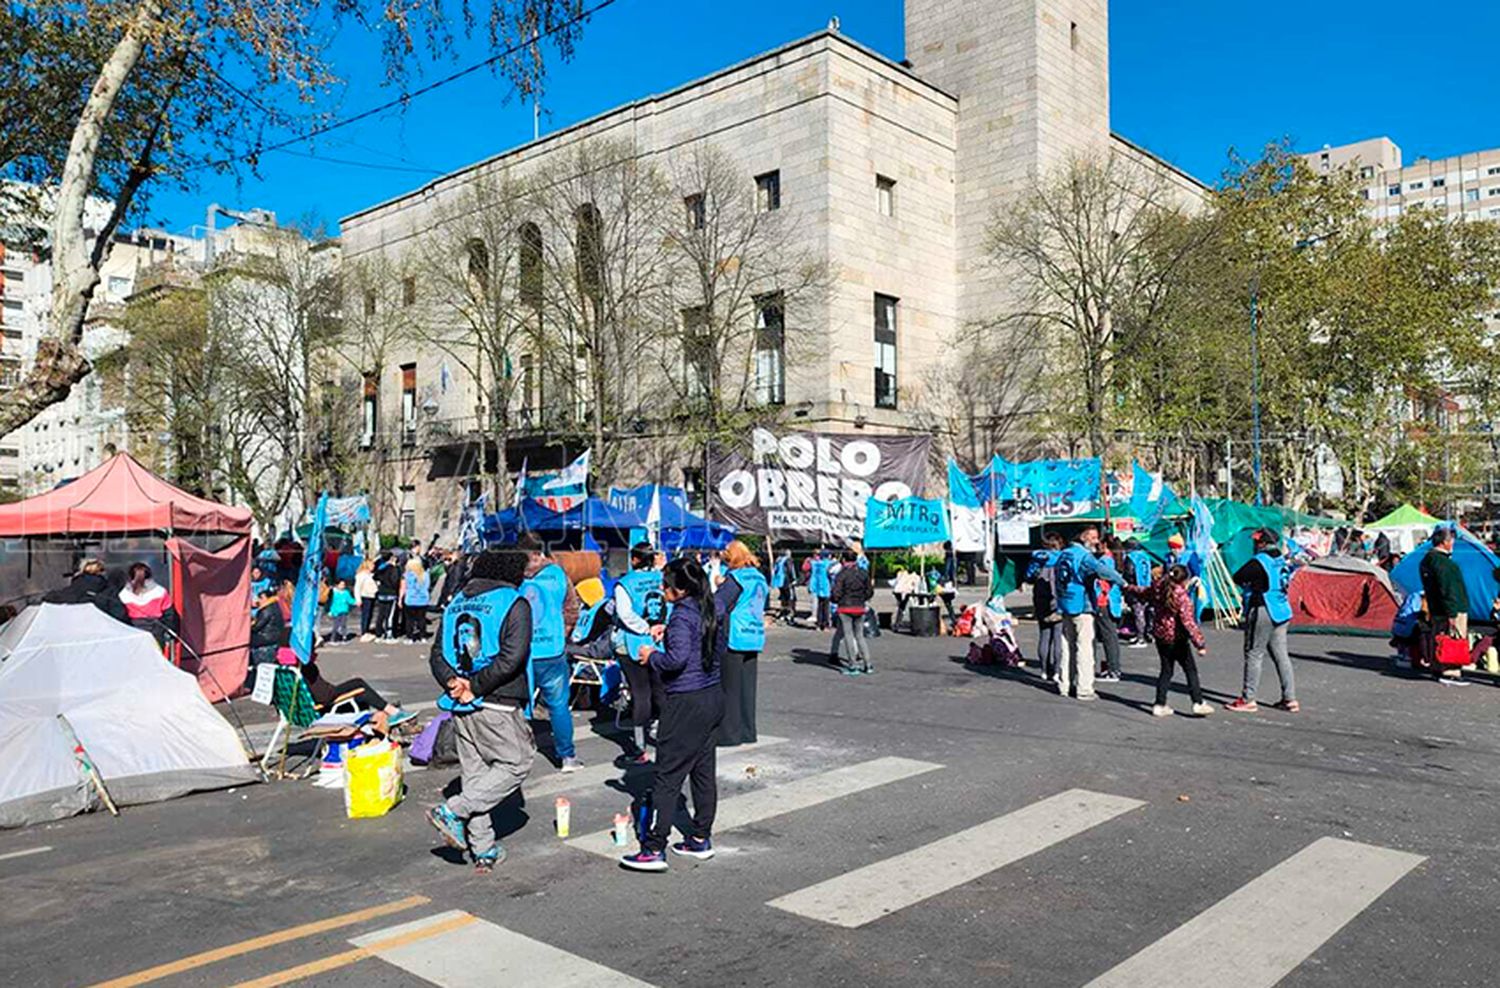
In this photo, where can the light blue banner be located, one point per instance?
(305, 600)
(905, 522)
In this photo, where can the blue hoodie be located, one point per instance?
(1075, 565)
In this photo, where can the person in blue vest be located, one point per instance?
(1138, 564)
(784, 582)
(688, 662)
(640, 611)
(742, 597)
(1264, 581)
(550, 594)
(1041, 573)
(820, 585)
(479, 658)
(1076, 567)
(1109, 607)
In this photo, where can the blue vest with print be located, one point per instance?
(546, 592)
(1278, 577)
(818, 583)
(471, 637)
(644, 589)
(747, 624)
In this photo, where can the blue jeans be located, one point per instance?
(550, 676)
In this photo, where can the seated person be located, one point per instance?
(268, 629)
(1411, 632)
(324, 693)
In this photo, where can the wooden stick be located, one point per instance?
(87, 764)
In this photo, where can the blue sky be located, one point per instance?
(1189, 79)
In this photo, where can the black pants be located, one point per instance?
(738, 675)
(366, 614)
(1107, 633)
(824, 613)
(646, 695)
(382, 622)
(416, 622)
(324, 693)
(901, 601)
(685, 750)
(1180, 653)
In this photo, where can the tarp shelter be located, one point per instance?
(1407, 527)
(1475, 561)
(610, 525)
(1342, 595)
(71, 671)
(121, 498)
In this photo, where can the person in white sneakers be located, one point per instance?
(1177, 636)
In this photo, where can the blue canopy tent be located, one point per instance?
(607, 524)
(1475, 562)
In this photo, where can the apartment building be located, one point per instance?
(1464, 186)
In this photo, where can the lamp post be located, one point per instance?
(1255, 382)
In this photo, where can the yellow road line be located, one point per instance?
(358, 954)
(260, 942)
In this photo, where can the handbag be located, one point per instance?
(1452, 651)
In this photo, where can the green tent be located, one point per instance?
(1404, 516)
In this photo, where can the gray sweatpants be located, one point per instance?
(495, 749)
(1261, 636)
(856, 647)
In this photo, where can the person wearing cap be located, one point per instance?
(1263, 581)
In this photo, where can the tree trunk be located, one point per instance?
(60, 362)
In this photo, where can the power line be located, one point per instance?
(357, 164)
(407, 97)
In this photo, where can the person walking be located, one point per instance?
(340, 603)
(742, 598)
(688, 663)
(820, 585)
(479, 658)
(416, 592)
(851, 593)
(1447, 597)
(1076, 566)
(1177, 637)
(1263, 581)
(640, 607)
(1041, 574)
(546, 589)
(365, 591)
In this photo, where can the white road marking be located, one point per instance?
(866, 894)
(481, 955)
(762, 804)
(26, 853)
(1259, 933)
(732, 763)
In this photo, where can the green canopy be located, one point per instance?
(1404, 516)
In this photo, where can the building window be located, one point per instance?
(407, 522)
(768, 191)
(1364, 194)
(885, 195)
(369, 411)
(1415, 186)
(408, 404)
(12, 275)
(9, 452)
(118, 286)
(770, 349)
(408, 291)
(1438, 183)
(369, 301)
(1393, 190)
(530, 389)
(10, 373)
(1368, 171)
(1493, 192)
(696, 213)
(1492, 171)
(477, 260)
(529, 260)
(697, 352)
(885, 351)
(1471, 195)
(1073, 35)
(589, 246)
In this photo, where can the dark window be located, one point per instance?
(885, 195)
(529, 258)
(768, 191)
(370, 412)
(1073, 35)
(696, 213)
(409, 404)
(590, 250)
(408, 291)
(770, 349)
(697, 351)
(478, 260)
(369, 301)
(885, 351)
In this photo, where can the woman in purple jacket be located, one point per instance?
(689, 660)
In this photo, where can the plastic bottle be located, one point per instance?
(563, 811)
(622, 829)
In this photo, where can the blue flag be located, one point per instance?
(904, 522)
(961, 489)
(305, 600)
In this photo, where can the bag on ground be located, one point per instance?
(374, 782)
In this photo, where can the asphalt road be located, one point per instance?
(931, 824)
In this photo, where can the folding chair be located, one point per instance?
(295, 707)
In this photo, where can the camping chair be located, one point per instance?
(590, 672)
(295, 707)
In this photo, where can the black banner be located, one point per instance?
(812, 486)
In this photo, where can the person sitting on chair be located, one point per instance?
(326, 694)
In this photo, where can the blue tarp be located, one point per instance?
(680, 528)
(1475, 561)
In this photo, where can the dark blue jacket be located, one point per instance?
(680, 659)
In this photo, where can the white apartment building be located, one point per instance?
(1465, 186)
(893, 169)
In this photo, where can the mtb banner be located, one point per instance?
(812, 487)
(905, 522)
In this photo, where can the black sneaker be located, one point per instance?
(692, 847)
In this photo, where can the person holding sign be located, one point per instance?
(742, 597)
(479, 658)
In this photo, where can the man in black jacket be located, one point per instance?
(852, 590)
(479, 657)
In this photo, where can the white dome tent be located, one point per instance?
(70, 670)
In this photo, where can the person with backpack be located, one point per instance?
(688, 663)
(1041, 575)
(479, 657)
(1264, 581)
(851, 593)
(387, 590)
(640, 612)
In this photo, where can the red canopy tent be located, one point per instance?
(121, 498)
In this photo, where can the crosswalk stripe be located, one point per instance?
(410, 933)
(762, 804)
(1259, 933)
(479, 954)
(26, 853)
(866, 894)
(731, 762)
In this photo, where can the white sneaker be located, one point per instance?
(1202, 709)
(571, 765)
(1161, 710)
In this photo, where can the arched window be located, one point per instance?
(590, 250)
(479, 262)
(529, 257)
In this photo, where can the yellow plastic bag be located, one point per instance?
(373, 779)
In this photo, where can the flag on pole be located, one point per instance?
(574, 475)
(515, 502)
(653, 516)
(305, 599)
